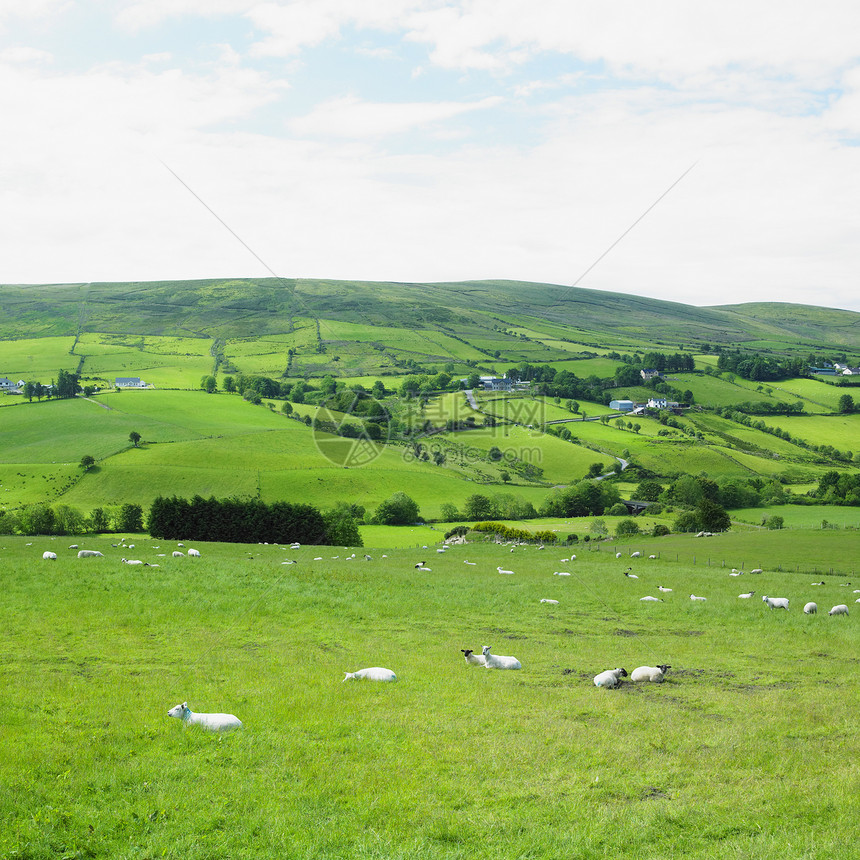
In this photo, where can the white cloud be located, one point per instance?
(23, 54)
(351, 117)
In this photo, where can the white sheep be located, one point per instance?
(756, 570)
(618, 555)
(651, 599)
(508, 572)
(473, 563)
(747, 595)
(179, 544)
(776, 602)
(810, 608)
(375, 673)
(561, 573)
(636, 554)
(194, 552)
(211, 722)
(73, 546)
(474, 659)
(841, 609)
(610, 678)
(817, 583)
(495, 661)
(652, 556)
(663, 588)
(49, 556)
(131, 561)
(90, 553)
(178, 554)
(693, 597)
(548, 600)
(650, 673)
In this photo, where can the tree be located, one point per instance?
(478, 507)
(627, 527)
(594, 470)
(209, 384)
(30, 390)
(619, 509)
(229, 384)
(134, 438)
(287, 407)
(846, 404)
(449, 512)
(99, 521)
(398, 510)
(495, 454)
(648, 491)
(341, 527)
(130, 518)
(87, 462)
(713, 517)
(774, 522)
(505, 476)
(67, 384)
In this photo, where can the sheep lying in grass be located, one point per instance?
(810, 608)
(548, 600)
(649, 673)
(375, 673)
(496, 661)
(650, 599)
(663, 588)
(90, 553)
(841, 609)
(507, 572)
(178, 554)
(561, 573)
(49, 556)
(747, 595)
(211, 722)
(610, 678)
(776, 602)
(474, 659)
(694, 597)
(756, 570)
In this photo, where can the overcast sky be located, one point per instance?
(432, 140)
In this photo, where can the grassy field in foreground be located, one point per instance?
(738, 754)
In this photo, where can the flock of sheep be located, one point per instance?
(607, 679)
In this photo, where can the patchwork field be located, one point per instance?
(736, 754)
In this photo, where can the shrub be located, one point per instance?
(627, 527)
(619, 509)
(660, 530)
(572, 538)
(774, 522)
(687, 521)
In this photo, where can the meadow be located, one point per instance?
(746, 750)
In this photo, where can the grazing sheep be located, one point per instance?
(841, 609)
(375, 673)
(507, 572)
(652, 599)
(548, 600)
(636, 554)
(194, 552)
(73, 546)
(810, 608)
(630, 575)
(178, 554)
(474, 659)
(652, 556)
(610, 679)
(49, 556)
(495, 661)
(417, 566)
(693, 597)
(776, 602)
(89, 553)
(737, 573)
(649, 673)
(747, 595)
(618, 555)
(756, 570)
(211, 722)
(180, 544)
(663, 588)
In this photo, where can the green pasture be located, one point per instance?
(562, 462)
(736, 754)
(803, 516)
(725, 432)
(36, 359)
(95, 343)
(585, 367)
(818, 396)
(29, 483)
(718, 391)
(840, 431)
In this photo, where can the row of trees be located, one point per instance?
(248, 521)
(761, 368)
(44, 519)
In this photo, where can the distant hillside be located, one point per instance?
(240, 307)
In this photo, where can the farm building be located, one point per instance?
(6, 384)
(129, 382)
(650, 374)
(622, 405)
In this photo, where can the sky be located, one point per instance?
(705, 153)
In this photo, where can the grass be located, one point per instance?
(36, 359)
(737, 754)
